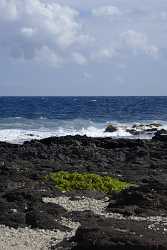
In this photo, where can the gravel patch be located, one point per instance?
(82, 204)
(28, 239)
(31, 239)
(98, 207)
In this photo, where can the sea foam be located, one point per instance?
(26, 131)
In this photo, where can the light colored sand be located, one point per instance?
(28, 239)
(82, 204)
(98, 207)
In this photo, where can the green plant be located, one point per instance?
(67, 181)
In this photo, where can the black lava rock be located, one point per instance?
(120, 235)
(146, 200)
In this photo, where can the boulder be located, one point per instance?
(149, 199)
(24, 207)
(116, 234)
(146, 126)
(160, 135)
(11, 214)
(110, 128)
(157, 125)
(138, 129)
(41, 215)
(133, 131)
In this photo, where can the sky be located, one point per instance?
(83, 47)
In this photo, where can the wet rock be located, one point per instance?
(110, 128)
(146, 126)
(157, 125)
(139, 129)
(30, 135)
(160, 135)
(133, 131)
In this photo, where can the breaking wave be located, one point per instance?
(18, 130)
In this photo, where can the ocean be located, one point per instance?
(27, 118)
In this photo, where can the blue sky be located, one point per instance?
(69, 47)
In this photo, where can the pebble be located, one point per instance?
(27, 239)
(31, 239)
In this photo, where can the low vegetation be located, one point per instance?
(67, 181)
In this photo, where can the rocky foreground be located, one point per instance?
(36, 215)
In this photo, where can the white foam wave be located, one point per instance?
(21, 135)
(18, 131)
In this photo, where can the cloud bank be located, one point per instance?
(54, 33)
(39, 30)
(108, 10)
(70, 40)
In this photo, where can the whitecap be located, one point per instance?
(26, 129)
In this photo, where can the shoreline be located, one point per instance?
(27, 201)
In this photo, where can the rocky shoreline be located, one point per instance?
(136, 218)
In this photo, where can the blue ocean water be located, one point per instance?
(25, 118)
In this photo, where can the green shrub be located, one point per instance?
(67, 181)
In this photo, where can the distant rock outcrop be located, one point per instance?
(111, 128)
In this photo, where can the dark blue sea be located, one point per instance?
(26, 118)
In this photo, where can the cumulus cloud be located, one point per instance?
(28, 32)
(79, 58)
(51, 58)
(138, 41)
(8, 10)
(47, 31)
(103, 54)
(127, 42)
(108, 10)
(43, 28)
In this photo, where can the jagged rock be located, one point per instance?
(41, 215)
(133, 131)
(110, 128)
(120, 235)
(155, 124)
(146, 126)
(131, 159)
(24, 207)
(11, 214)
(138, 129)
(149, 199)
(22, 168)
(160, 135)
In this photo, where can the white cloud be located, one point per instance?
(103, 54)
(108, 10)
(87, 76)
(37, 29)
(8, 10)
(129, 42)
(152, 50)
(42, 28)
(134, 39)
(163, 15)
(79, 58)
(48, 56)
(28, 32)
(138, 41)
